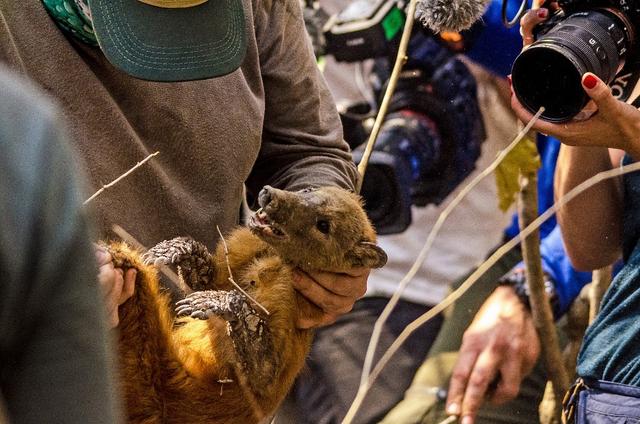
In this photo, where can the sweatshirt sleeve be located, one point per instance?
(302, 141)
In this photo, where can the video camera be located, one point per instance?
(432, 135)
(598, 36)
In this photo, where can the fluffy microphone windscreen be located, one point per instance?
(450, 15)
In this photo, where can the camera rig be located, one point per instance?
(432, 135)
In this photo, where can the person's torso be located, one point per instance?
(208, 132)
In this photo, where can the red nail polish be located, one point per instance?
(589, 81)
(542, 13)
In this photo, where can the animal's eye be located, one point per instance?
(323, 226)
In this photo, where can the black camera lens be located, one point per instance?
(549, 72)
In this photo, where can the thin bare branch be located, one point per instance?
(401, 59)
(449, 420)
(599, 285)
(231, 280)
(121, 177)
(540, 307)
(126, 236)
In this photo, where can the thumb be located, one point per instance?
(599, 92)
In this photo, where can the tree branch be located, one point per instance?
(121, 177)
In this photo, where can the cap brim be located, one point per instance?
(159, 44)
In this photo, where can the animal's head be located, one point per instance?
(324, 228)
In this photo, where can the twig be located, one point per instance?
(231, 280)
(540, 307)
(125, 236)
(401, 59)
(600, 283)
(497, 255)
(449, 420)
(377, 328)
(117, 180)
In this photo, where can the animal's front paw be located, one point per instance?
(228, 305)
(191, 257)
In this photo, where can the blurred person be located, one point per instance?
(56, 359)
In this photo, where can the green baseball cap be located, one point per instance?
(171, 40)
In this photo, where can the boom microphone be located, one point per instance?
(450, 15)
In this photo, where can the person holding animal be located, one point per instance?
(227, 92)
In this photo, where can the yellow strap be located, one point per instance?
(173, 4)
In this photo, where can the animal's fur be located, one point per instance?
(237, 364)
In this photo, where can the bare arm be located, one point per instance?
(592, 222)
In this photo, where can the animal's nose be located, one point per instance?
(265, 196)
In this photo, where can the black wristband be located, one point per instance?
(518, 280)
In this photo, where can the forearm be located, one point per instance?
(590, 223)
(302, 140)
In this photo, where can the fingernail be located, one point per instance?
(467, 420)
(542, 13)
(589, 81)
(509, 79)
(453, 409)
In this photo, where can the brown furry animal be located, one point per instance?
(229, 362)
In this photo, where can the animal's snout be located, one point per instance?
(265, 196)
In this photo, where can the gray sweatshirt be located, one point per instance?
(272, 121)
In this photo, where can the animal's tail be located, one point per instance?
(174, 374)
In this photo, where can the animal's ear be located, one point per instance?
(368, 255)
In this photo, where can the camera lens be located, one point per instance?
(549, 72)
(415, 138)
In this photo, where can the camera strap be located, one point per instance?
(625, 86)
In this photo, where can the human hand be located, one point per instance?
(328, 294)
(530, 19)
(614, 124)
(605, 121)
(117, 286)
(502, 345)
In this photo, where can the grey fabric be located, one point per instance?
(325, 391)
(56, 363)
(272, 121)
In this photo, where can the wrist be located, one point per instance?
(517, 281)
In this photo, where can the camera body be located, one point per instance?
(432, 134)
(598, 36)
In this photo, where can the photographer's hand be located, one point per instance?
(500, 345)
(615, 124)
(532, 18)
(605, 121)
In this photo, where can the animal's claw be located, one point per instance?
(192, 259)
(204, 304)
